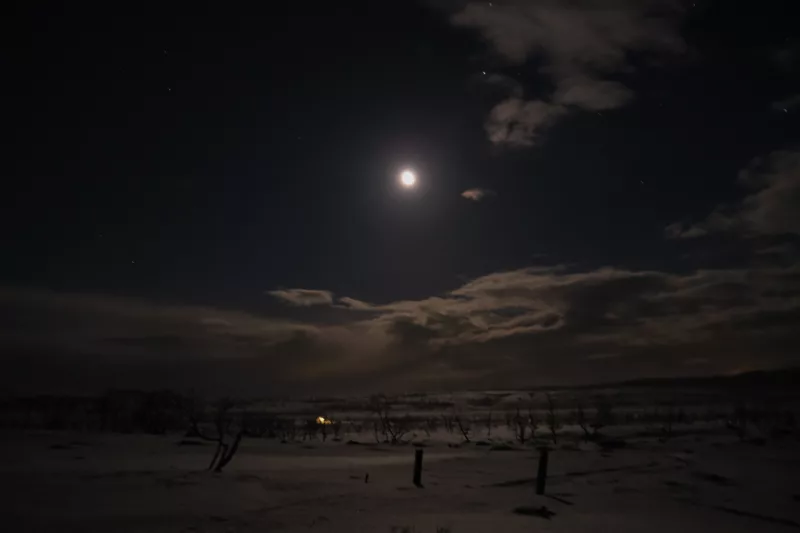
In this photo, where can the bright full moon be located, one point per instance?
(407, 178)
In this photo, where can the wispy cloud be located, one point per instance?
(541, 323)
(769, 207)
(303, 297)
(788, 104)
(608, 308)
(517, 122)
(582, 44)
(602, 356)
(477, 194)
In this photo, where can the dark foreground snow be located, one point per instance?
(105, 483)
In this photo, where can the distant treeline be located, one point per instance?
(784, 378)
(117, 411)
(761, 398)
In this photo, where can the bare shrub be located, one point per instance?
(491, 403)
(356, 426)
(552, 419)
(669, 418)
(229, 432)
(447, 421)
(286, 429)
(258, 426)
(310, 429)
(520, 427)
(604, 415)
(375, 430)
(738, 419)
(583, 422)
(393, 428)
(464, 425)
(489, 424)
(431, 425)
(524, 425)
(533, 421)
(336, 426)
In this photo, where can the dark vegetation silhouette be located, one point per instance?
(752, 407)
(229, 429)
(582, 421)
(524, 424)
(393, 428)
(464, 425)
(553, 421)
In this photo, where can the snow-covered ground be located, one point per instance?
(702, 481)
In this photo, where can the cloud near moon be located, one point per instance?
(477, 194)
(546, 324)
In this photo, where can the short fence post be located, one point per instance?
(418, 467)
(541, 475)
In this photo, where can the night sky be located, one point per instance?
(208, 195)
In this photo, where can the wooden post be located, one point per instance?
(541, 475)
(418, 467)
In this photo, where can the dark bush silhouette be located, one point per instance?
(603, 417)
(523, 425)
(393, 428)
(552, 419)
(583, 422)
(464, 425)
(228, 432)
